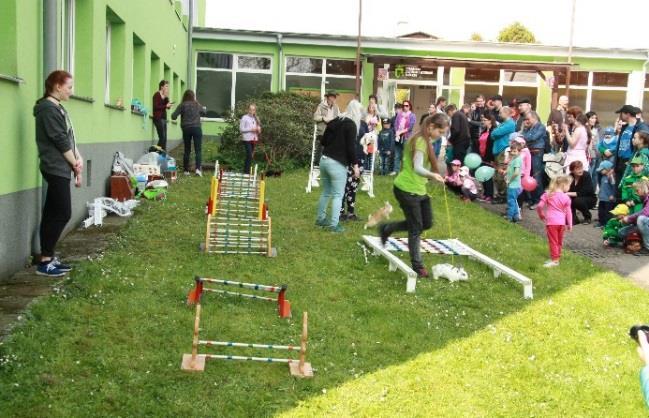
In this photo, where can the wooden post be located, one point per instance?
(262, 191)
(194, 362)
(302, 368)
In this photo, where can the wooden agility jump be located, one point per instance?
(195, 362)
(283, 304)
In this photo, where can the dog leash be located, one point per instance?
(448, 220)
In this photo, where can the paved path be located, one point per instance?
(587, 241)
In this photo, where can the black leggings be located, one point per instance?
(582, 204)
(56, 212)
(161, 128)
(419, 217)
(195, 133)
(351, 187)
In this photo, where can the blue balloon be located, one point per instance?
(484, 173)
(472, 160)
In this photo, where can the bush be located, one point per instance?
(286, 137)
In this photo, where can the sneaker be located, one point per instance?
(550, 263)
(643, 252)
(421, 272)
(63, 267)
(532, 207)
(187, 173)
(49, 270)
(321, 222)
(352, 217)
(586, 221)
(383, 234)
(337, 229)
(198, 172)
(392, 173)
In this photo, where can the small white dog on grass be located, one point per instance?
(450, 272)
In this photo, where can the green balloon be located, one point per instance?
(484, 173)
(472, 160)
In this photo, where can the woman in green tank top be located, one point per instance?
(419, 166)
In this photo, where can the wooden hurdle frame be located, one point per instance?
(195, 362)
(283, 304)
(227, 236)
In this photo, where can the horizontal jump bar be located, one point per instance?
(263, 359)
(248, 345)
(253, 286)
(244, 295)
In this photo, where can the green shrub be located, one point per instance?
(287, 132)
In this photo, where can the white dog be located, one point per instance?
(450, 272)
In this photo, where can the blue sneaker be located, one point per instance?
(49, 270)
(63, 267)
(336, 229)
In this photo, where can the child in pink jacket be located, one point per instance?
(554, 211)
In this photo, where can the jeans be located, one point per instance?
(513, 211)
(56, 212)
(398, 153)
(195, 133)
(161, 128)
(538, 168)
(250, 151)
(643, 227)
(419, 217)
(333, 176)
(385, 163)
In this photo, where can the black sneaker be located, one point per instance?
(59, 265)
(643, 252)
(352, 217)
(422, 272)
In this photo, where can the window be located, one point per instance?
(115, 57)
(156, 74)
(601, 92)
(314, 76)
(138, 69)
(520, 77)
(223, 79)
(471, 91)
(482, 74)
(177, 94)
(8, 46)
(518, 92)
(68, 32)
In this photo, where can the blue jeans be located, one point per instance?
(513, 211)
(385, 163)
(538, 168)
(333, 176)
(398, 153)
(643, 227)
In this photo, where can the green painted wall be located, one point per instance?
(8, 36)
(598, 64)
(93, 122)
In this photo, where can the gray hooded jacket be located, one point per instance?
(54, 136)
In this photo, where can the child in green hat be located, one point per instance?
(627, 192)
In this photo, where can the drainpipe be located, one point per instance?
(190, 54)
(49, 37)
(280, 63)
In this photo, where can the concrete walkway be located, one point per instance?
(587, 241)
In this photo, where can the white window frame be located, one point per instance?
(590, 87)
(107, 69)
(68, 35)
(234, 70)
(323, 74)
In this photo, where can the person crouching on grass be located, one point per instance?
(419, 166)
(641, 219)
(554, 210)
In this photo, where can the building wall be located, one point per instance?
(100, 130)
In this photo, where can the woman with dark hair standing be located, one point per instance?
(59, 156)
(419, 166)
(190, 112)
(593, 145)
(160, 105)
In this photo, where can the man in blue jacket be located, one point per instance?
(536, 137)
(500, 137)
(628, 124)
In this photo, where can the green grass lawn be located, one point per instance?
(109, 343)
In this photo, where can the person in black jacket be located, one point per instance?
(59, 157)
(582, 192)
(474, 118)
(459, 138)
(339, 151)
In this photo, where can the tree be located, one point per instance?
(518, 33)
(476, 37)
